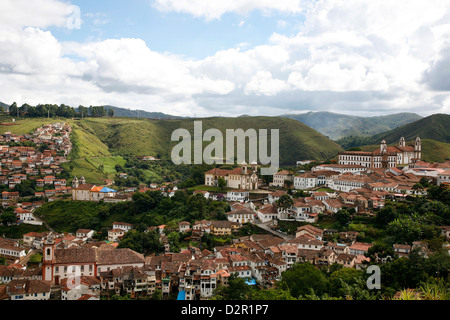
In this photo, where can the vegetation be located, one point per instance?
(338, 126)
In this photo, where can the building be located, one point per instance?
(59, 264)
(244, 178)
(443, 178)
(26, 289)
(385, 157)
(280, 178)
(90, 192)
(241, 215)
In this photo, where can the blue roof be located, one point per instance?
(106, 189)
(181, 295)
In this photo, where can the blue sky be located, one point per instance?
(178, 33)
(227, 58)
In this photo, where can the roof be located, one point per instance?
(97, 255)
(28, 286)
(305, 239)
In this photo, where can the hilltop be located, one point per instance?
(337, 126)
(435, 127)
(140, 137)
(128, 113)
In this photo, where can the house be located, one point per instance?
(280, 178)
(275, 195)
(238, 195)
(184, 226)
(359, 248)
(122, 225)
(115, 234)
(241, 215)
(346, 260)
(305, 181)
(243, 178)
(302, 211)
(84, 233)
(267, 213)
(332, 205)
(221, 228)
(11, 249)
(309, 230)
(28, 289)
(307, 242)
(402, 249)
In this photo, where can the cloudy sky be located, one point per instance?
(228, 57)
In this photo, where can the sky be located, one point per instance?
(228, 57)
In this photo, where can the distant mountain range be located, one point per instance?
(337, 126)
(435, 127)
(128, 113)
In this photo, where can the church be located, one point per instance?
(385, 157)
(62, 263)
(243, 178)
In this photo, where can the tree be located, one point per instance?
(343, 217)
(285, 201)
(237, 289)
(303, 278)
(222, 183)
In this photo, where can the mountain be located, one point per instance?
(123, 112)
(337, 126)
(104, 142)
(435, 127)
(139, 137)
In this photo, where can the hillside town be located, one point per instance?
(76, 266)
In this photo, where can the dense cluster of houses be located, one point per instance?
(84, 269)
(40, 162)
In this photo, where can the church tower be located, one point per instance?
(48, 258)
(75, 183)
(383, 147)
(418, 149)
(402, 142)
(82, 180)
(244, 167)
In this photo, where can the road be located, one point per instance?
(264, 226)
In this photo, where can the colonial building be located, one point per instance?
(82, 191)
(73, 263)
(244, 178)
(385, 157)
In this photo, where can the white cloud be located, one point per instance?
(262, 83)
(36, 13)
(214, 9)
(349, 56)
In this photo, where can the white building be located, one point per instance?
(384, 157)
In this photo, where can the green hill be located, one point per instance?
(435, 127)
(139, 137)
(99, 144)
(337, 126)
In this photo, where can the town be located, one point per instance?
(79, 266)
